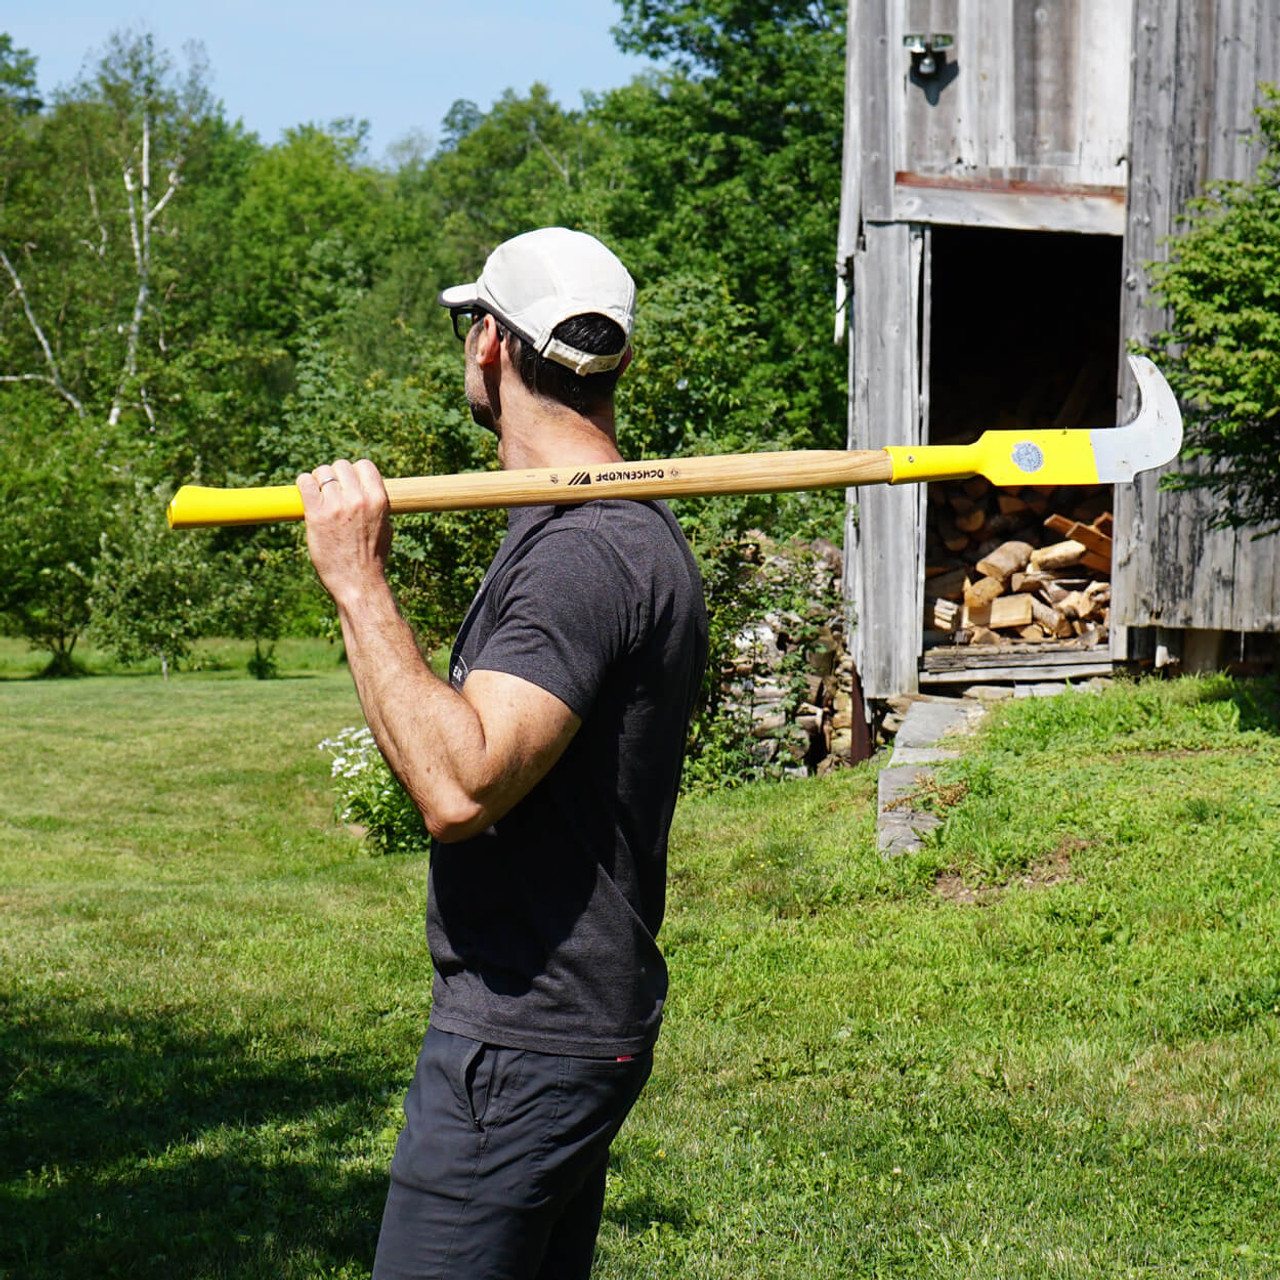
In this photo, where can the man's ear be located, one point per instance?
(488, 344)
(626, 360)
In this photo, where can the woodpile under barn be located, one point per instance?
(1008, 566)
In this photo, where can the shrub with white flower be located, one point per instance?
(370, 796)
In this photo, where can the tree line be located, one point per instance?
(181, 301)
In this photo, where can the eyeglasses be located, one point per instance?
(472, 316)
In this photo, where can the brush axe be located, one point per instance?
(1106, 455)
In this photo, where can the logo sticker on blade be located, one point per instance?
(582, 477)
(1028, 457)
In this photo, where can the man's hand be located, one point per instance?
(348, 527)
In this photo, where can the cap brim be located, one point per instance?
(460, 295)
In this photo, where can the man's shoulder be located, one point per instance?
(617, 541)
(616, 518)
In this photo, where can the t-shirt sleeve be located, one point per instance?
(562, 617)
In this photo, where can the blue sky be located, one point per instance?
(276, 63)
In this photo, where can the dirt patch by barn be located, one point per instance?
(1054, 869)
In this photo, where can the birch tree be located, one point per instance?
(19, 103)
(87, 191)
(86, 195)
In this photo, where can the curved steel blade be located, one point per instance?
(1150, 440)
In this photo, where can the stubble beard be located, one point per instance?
(478, 399)
(482, 415)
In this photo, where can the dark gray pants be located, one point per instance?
(499, 1172)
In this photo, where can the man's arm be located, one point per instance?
(464, 757)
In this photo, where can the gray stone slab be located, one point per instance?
(1041, 689)
(920, 755)
(900, 830)
(926, 722)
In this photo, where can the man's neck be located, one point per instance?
(552, 437)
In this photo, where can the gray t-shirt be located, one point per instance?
(542, 929)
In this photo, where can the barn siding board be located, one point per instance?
(931, 131)
(985, 41)
(851, 157)
(1258, 585)
(1107, 44)
(879, 134)
(885, 564)
(1045, 106)
(1194, 90)
(1014, 210)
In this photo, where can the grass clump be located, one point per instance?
(1045, 1046)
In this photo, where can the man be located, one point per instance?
(546, 770)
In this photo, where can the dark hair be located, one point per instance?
(593, 333)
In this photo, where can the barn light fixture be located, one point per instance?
(923, 49)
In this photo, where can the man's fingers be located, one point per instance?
(342, 484)
(370, 480)
(309, 487)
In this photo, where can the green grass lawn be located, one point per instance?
(1048, 1045)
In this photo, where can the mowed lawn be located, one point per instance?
(1046, 1046)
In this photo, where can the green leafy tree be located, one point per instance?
(307, 228)
(18, 92)
(57, 495)
(88, 323)
(1222, 351)
(149, 594)
(524, 163)
(261, 585)
(728, 164)
(85, 224)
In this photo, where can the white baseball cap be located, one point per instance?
(535, 281)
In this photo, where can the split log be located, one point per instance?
(946, 584)
(1006, 560)
(1094, 601)
(1004, 611)
(1070, 606)
(952, 538)
(1030, 580)
(1050, 620)
(1060, 555)
(942, 615)
(977, 594)
(1097, 544)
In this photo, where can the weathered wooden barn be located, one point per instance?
(1010, 166)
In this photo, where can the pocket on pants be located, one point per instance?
(476, 1083)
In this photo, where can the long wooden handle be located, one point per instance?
(194, 507)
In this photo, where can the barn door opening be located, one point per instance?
(1022, 330)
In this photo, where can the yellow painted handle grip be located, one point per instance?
(1006, 458)
(194, 507)
(197, 507)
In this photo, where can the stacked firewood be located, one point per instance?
(1009, 566)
